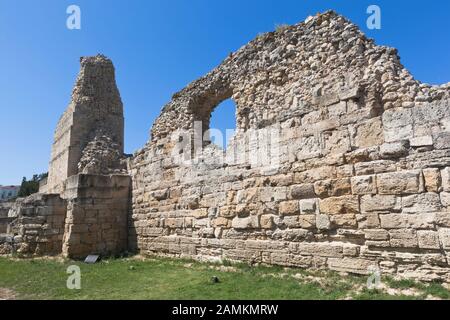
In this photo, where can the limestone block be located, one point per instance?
(350, 93)
(321, 249)
(307, 221)
(250, 222)
(267, 221)
(309, 147)
(291, 221)
(226, 211)
(339, 205)
(353, 265)
(377, 166)
(362, 185)
(200, 213)
(442, 140)
(423, 141)
(336, 141)
(323, 222)
(344, 220)
(221, 222)
(406, 238)
(428, 239)
(268, 194)
(444, 238)
(443, 219)
(369, 133)
(445, 174)
(424, 202)
(394, 149)
(432, 179)
(376, 234)
(445, 198)
(368, 220)
(351, 250)
(309, 206)
(397, 118)
(401, 182)
(302, 191)
(404, 221)
(289, 207)
(332, 187)
(373, 203)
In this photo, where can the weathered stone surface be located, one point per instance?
(432, 178)
(424, 202)
(373, 203)
(428, 239)
(302, 191)
(364, 185)
(369, 133)
(339, 205)
(402, 182)
(245, 223)
(445, 174)
(376, 234)
(289, 207)
(405, 238)
(332, 188)
(442, 140)
(403, 221)
(309, 206)
(394, 149)
(353, 265)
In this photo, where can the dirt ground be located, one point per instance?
(7, 294)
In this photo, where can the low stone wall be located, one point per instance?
(4, 220)
(97, 215)
(38, 224)
(91, 217)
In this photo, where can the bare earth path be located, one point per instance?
(7, 294)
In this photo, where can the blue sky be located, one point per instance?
(158, 47)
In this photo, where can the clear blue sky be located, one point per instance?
(158, 47)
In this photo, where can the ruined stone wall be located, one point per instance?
(4, 219)
(352, 173)
(95, 110)
(37, 225)
(97, 215)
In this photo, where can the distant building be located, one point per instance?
(8, 192)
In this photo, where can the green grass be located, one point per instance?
(164, 278)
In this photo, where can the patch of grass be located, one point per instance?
(165, 278)
(375, 294)
(437, 290)
(404, 284)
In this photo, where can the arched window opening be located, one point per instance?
(222, 125)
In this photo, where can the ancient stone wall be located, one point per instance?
(340, 160)
(4, 219)
(83, 206)
(95, 113)
(97, 215)
(37, 225)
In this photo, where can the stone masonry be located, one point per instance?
(95, 114)
(83, 206)
(362, 177)
(341, 160)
